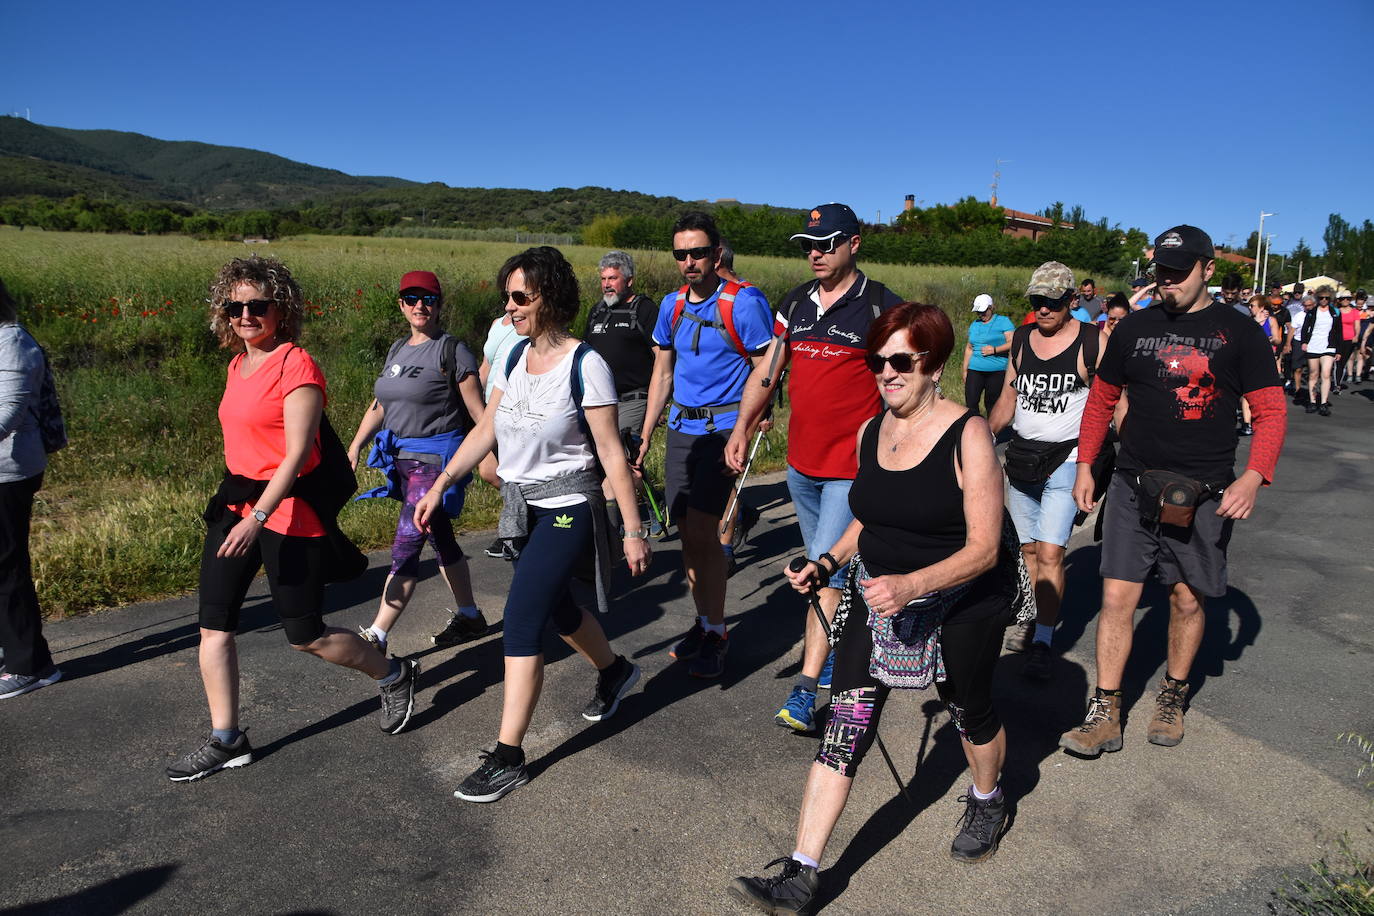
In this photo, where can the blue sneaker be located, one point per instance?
(824, 680)
(799, 712)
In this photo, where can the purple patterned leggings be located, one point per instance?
(417, 477)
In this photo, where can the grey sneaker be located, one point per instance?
(398, 698)
(372, 640)
(980, 828)
(793, 890)
(461, 629)
(492, 780)
(14, 685)
(211, 757)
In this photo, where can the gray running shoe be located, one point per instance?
(14, 685)
(211, 757)
(398, 698)
(492, 780)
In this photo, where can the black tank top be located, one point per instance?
(915, 518)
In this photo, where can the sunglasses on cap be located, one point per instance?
(1045, 302)
(414, 299)
(256, 307)
(696, 254)
(900, 362)
(823, 246)
(519, 296)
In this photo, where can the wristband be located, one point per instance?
(834, 564)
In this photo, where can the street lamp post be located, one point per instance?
(1268, 246)
(1259, 239)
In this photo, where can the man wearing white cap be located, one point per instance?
(985, 360)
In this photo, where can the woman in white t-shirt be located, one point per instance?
(554, 511)
(1321, 335)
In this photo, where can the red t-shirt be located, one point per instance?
(250, 414)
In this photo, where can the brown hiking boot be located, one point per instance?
(1166, 728)
(1100, 731)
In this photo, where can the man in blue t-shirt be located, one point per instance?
(709, 335)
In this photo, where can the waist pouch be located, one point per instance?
(1170, 498)
(1028, 461)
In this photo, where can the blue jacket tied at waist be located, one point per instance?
(386, 445)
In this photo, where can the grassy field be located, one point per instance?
(124, 320)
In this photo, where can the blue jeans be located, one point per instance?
(822, 507)
(1044, 511)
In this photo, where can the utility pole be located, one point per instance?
(1259, 239)
(997, 177)
(1264, 277)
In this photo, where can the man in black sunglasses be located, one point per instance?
(820, 331)
(709, 334)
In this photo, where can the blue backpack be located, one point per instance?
(578, 388)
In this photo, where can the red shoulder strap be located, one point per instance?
(678, 305)
(725, 305)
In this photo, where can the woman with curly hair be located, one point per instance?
(271, 510)
(552, 413)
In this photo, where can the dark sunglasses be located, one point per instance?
(412, 299)
(1045, 302)
(256, 307)
(696, 254)
(824, 246)
(1323, 298)
(521, 297)
(900, 362)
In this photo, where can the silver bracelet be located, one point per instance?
(638, 534)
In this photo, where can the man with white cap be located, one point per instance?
(820, 330)
(985, 361)
(1051, 365)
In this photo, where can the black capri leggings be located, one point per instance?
(985, 385)
(295, 574)
(970, 649)
(560, 548)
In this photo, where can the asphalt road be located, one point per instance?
(691, 782)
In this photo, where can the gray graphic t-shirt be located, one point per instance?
(418, 398)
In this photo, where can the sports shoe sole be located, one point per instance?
(620, 694)
(1165, 740)
(498, 794)
(1110, 747)
(784, 717)
(231, 764)
(34, 685)
(996, 841)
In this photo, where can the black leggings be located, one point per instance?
(970, 649)
(985, 385)
(21, 623)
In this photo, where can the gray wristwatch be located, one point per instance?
(261, 516)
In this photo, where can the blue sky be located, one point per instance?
(1149, 114)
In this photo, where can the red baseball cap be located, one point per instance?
(421, 279)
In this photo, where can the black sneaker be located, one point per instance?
(748, 518)
(1247, 429)
(496, 549)
(1324, 410)
(1310, 408)
(461, 629)
(609, 691)
(398, 698)
(1019, 637)
(1037, 666)
(791, 891)
(211, 757)
(710, 659)
(492, 780)
(980, 827)
(688, 647)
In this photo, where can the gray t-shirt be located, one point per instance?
(21, 378)
(419, 397)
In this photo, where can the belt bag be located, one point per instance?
(1028, 461)
(1170, 498)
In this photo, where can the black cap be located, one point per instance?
(1183, 246)
(1139, 281)
(828, 221)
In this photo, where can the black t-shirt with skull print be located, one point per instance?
(1184, 375)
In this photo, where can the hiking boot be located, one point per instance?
(791, 891)
(211, 757)
(1166, 727)
(610, 690)
(373, 640)
(710, 660)
(1019, 637)
(398, 698)
(14, 685)
(688, 647)
(827, 672)
(1037, 666)
(980, 827)
(799, 712)
(492, 780)
(460, 629)
(1100, 731)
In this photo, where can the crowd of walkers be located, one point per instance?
(910, 574)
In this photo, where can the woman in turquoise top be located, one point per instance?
(985, 361)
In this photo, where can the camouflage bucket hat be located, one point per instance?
(1051, 280)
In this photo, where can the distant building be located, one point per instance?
(1023, 225)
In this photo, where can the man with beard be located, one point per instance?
(1048, 372)
(1230, 294)
(1174, 497)
(820, 331)
(710, 334)
(620, 328)
(1088, 299)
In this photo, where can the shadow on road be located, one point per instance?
(104, 899)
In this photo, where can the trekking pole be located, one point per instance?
(797, 565)
(739, 485)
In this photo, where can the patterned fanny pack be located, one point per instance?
(906, 646)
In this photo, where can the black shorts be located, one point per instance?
(695, 475)
(295, 574)
(1132, 547)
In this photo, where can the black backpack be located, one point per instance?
(47, 410)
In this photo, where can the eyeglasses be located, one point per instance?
(520, 297)
(1045, 302)
(696, 254)
(412, 299)
(1323, 298)
(256, 307)
(824, 246)
(900, 362)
